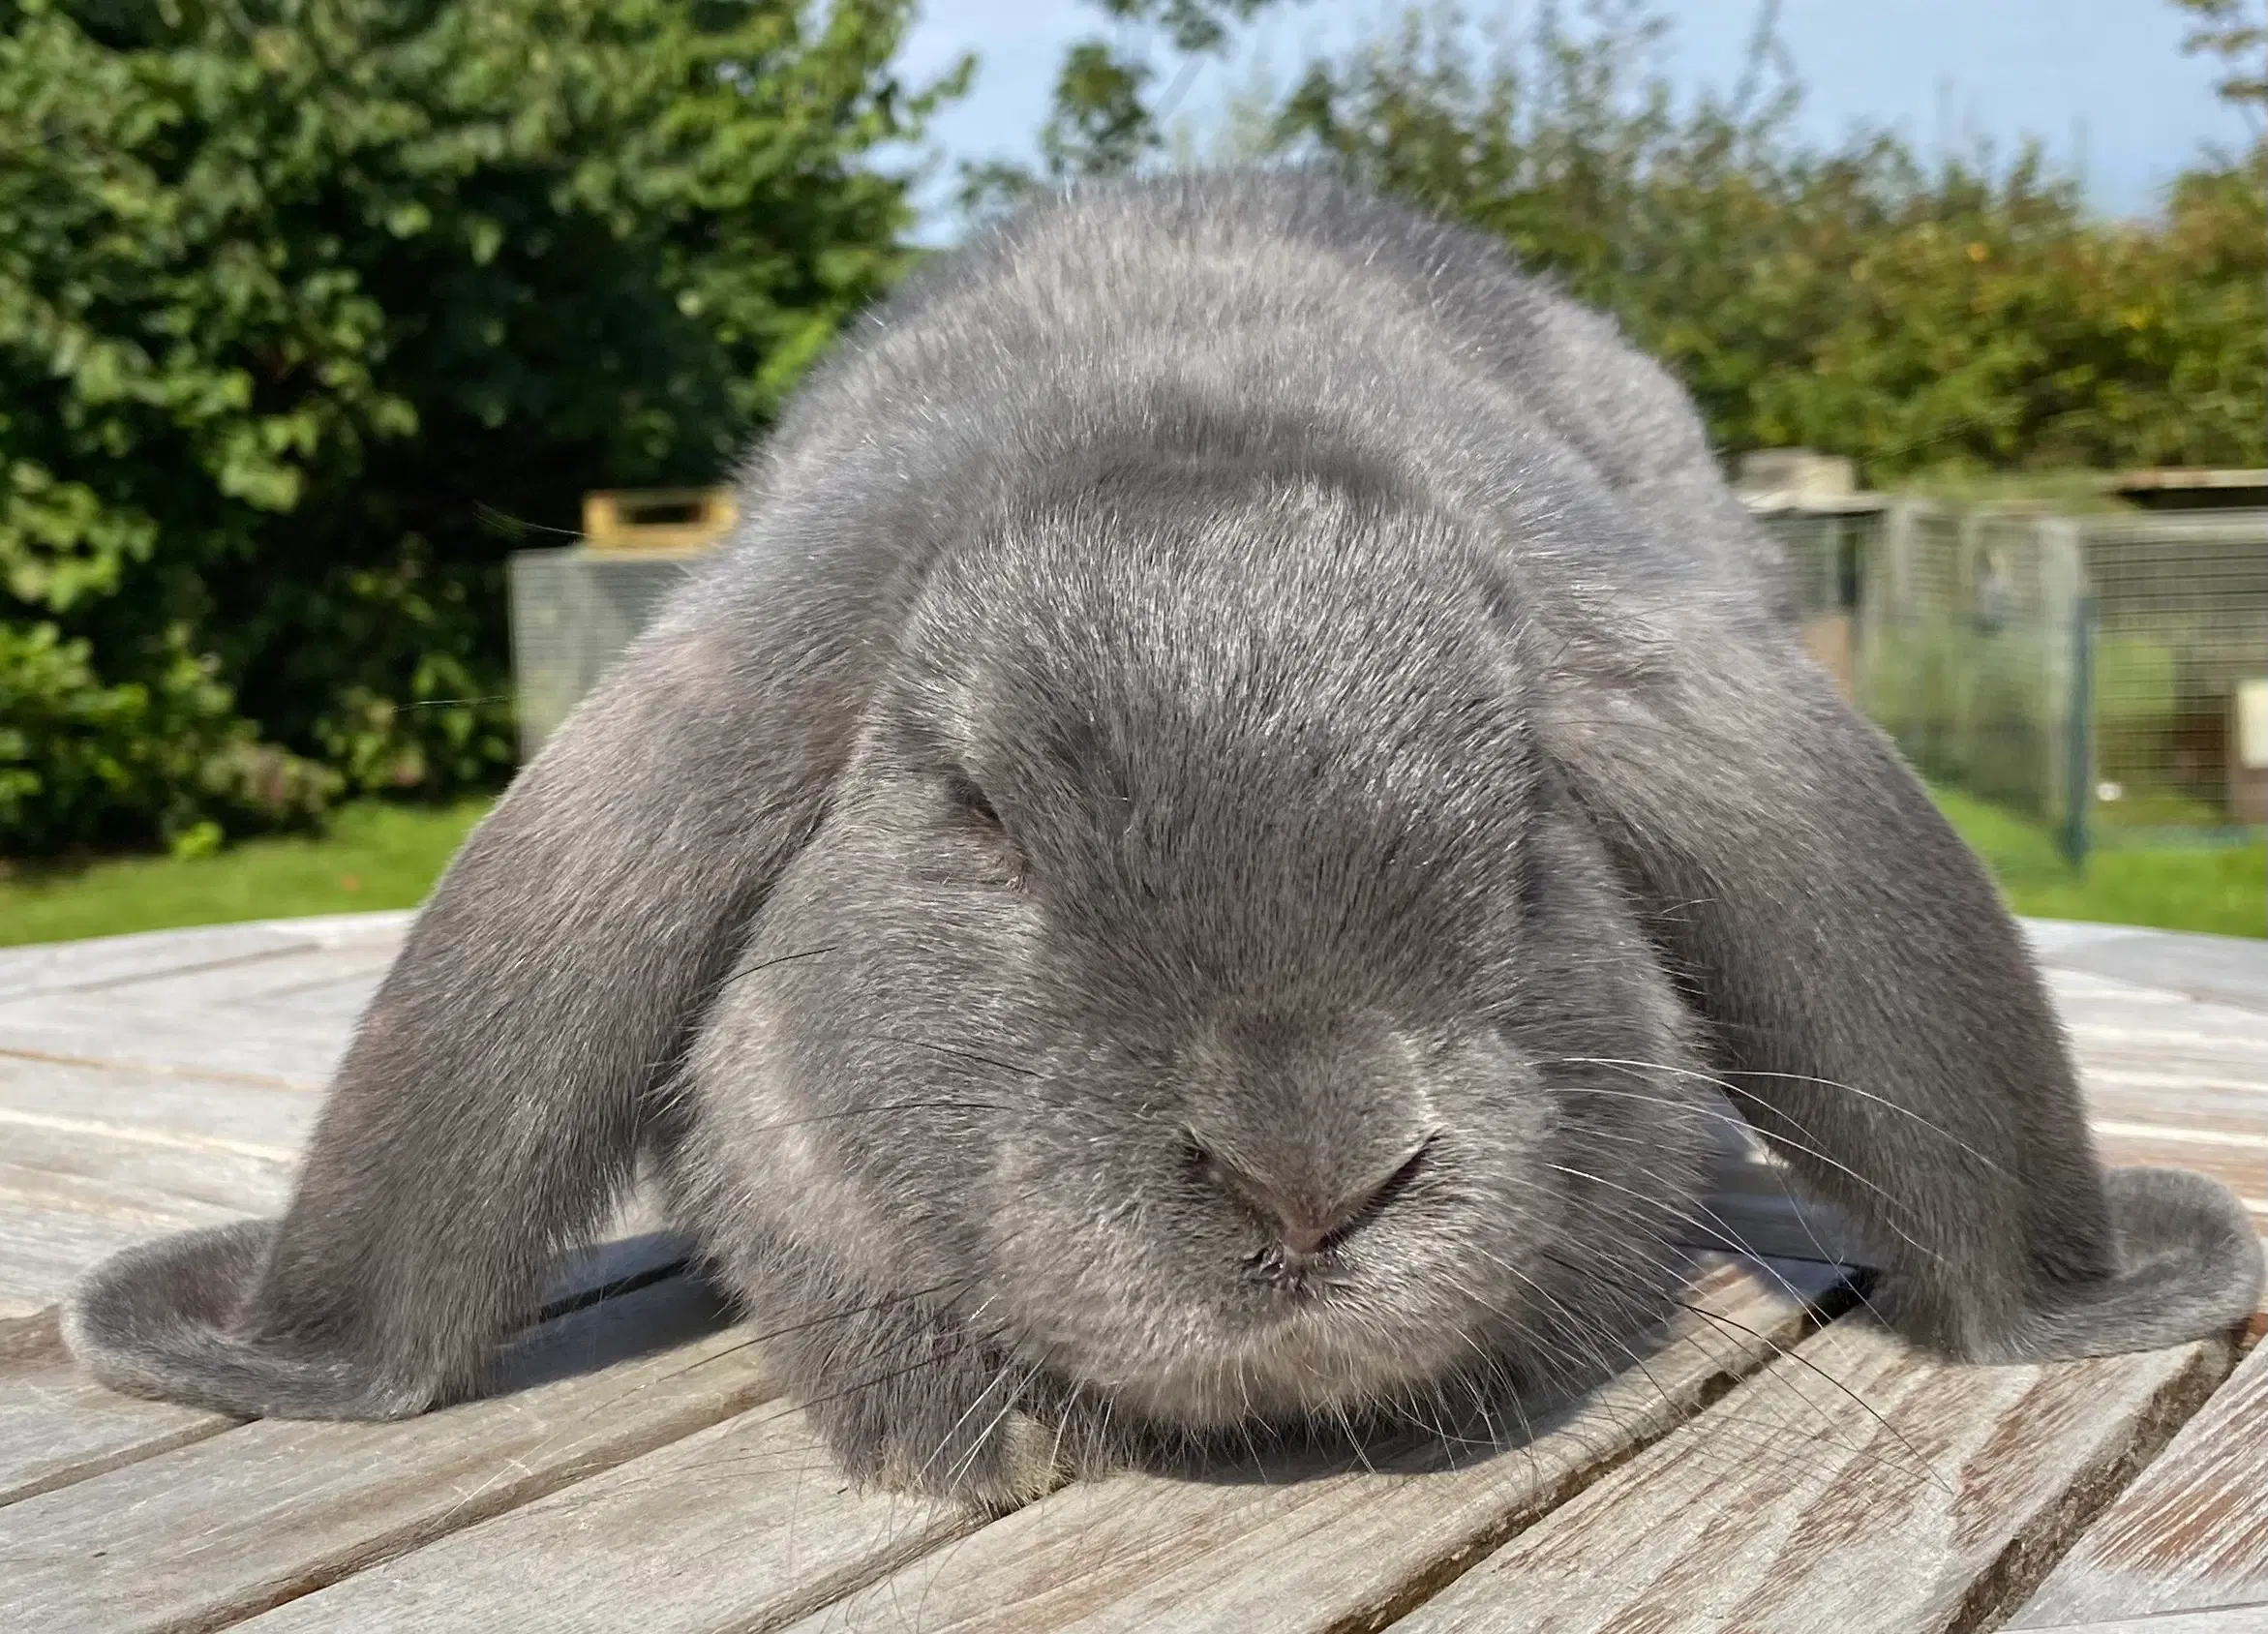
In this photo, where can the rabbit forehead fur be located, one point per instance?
(1277, 875)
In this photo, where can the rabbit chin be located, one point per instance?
(1326, 1359)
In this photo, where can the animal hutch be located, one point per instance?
(573, 610)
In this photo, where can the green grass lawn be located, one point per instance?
(2218, 888)
(379, 856)
(376, 855)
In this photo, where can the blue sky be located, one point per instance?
(2103, 81)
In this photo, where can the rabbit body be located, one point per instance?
(1190, 871)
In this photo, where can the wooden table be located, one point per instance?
(1781, 1464)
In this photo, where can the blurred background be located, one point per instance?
(369, 367)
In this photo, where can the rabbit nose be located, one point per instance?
(1303, 1225)
(1306, 1234)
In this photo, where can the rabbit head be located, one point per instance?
(1199, 983)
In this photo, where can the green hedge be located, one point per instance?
(309, 310)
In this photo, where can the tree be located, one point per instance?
(311, 309)
(2236, 31)
(1101, 121)
(1971, 314)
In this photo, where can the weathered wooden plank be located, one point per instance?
(2223, 1090)
(2121, 999)
(2221, 1620)
(2050, 939)
(381, 928)
(2178, 1098)
(2155, 1033)
(59, 1163)
(2228, 970)
(157, 1108)
(325, 967)
(48, 1249)
(745, 1526)
(2190, 1535)
(58, 1426)
(111, 1030)
(341, 1001)
(2142, 1026)
(233, 1524)
(106, 961)
(71, 1193)
(2172, 1079)
(264, 984)
(1287, 1548)
(1854, 1486)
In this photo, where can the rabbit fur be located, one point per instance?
(1192, 869)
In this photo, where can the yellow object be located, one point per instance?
(648, 518)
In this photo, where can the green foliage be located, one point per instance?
(311, 309)
(2236, 31)
(84, 762)
(1971, 315)
(1101, 121)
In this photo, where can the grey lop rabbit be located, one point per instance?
(1189, 870)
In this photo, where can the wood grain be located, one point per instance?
(267, 984)
(1856, 1486)
(2191, 1533)
(744, 1526)
(71, 1164)
(387, 926)
(114, 963)
(157, 1108)
(2223, 1619)
(109, 1030)
(49, 1249)
(2226, 970)
(339, 1002)
(230, 1525)
(88, 1168)
(58, 1426)
(1288, 1547)
(110, 960)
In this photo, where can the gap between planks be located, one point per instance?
(1916, 1497)
(2190, 1535)
(1291, 1548)
(779, 1539)
(59, 1426)
(211, 1533)
(2239, 1086)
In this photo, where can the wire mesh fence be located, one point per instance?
(2180, 671)
(572, 613)
(2103, 676)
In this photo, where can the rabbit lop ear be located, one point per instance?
(1877, 1015)
(492, 1103)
